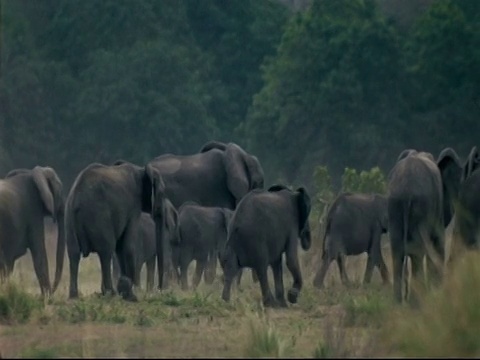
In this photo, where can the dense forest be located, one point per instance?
(342, 83)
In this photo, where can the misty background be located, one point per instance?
(344, 83)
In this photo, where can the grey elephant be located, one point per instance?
(467, 216)
(264, 226)
(146, 245)
(103, 211)
(219, 175)
(420, 193)
(355, 224)
(202, 235)
(27, 196)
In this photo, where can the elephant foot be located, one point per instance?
(318, 285)
(270, 302)
(293, 295)
(282, 303)
(125, 289)
(73, 295)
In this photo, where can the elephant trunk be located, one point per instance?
(60, 247)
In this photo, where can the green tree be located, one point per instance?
(331, 93)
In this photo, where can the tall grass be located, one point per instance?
(448, 322)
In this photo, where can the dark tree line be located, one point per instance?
(337, 83)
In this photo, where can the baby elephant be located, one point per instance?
(355, 224)
(202, 235)
(145, 252)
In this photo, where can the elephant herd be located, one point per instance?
(212, 206)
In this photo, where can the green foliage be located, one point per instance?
(264, 341)
(16, 306)
(448, 323)
(372, 181)
(40, 353)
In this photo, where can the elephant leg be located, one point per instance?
(115, 269)
(40, 260)
(435, 271)
(278, 278)
(320, 276)
(239, 277)
(267, 296)
(341, 268)
(150, 274)
(199, 269)
(254, 276)
(382, 267)
(105, 263)
(367, 278)
(373, 254)
(418, 280)
(184, 263)
(230, 272)
(398, 260)
(138, 274)
(294, 268)
(74, 260)
(210, 271)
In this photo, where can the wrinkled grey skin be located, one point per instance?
(355, 224)
(420, 192)
(203, 233)
(102, 215)
(265, 225)
(26, 198)
(467, 215)
(146, 252)
(218, 176)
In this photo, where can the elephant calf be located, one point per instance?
(264, 226)
(355, 224)
(146, 252)
(202, 232)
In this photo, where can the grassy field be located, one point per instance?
(334, 322)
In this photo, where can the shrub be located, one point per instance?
(16, 305)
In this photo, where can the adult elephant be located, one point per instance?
(103, 212)
(202, 236)
(265, 225)
(219, 175)
(420, 193)
(355, 224)
(27, 196)
(467, 216)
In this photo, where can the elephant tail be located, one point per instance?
(405, 275)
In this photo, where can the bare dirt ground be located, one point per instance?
(338, 321)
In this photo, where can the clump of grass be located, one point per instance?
(39, 353)
(264, 341)
(16, 306)
(448, 320)
(366, 309)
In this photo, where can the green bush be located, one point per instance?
(16, 306)
(372, 181)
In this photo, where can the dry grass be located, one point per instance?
(334, 322)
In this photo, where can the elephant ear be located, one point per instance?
(255, 171)
(238, 176)
(49, 187)
(153, 191)
(171, 222)
(304, 207)
(213, 145)
(471, 164)
(450, 168)
(15, 172)
(405, 153)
